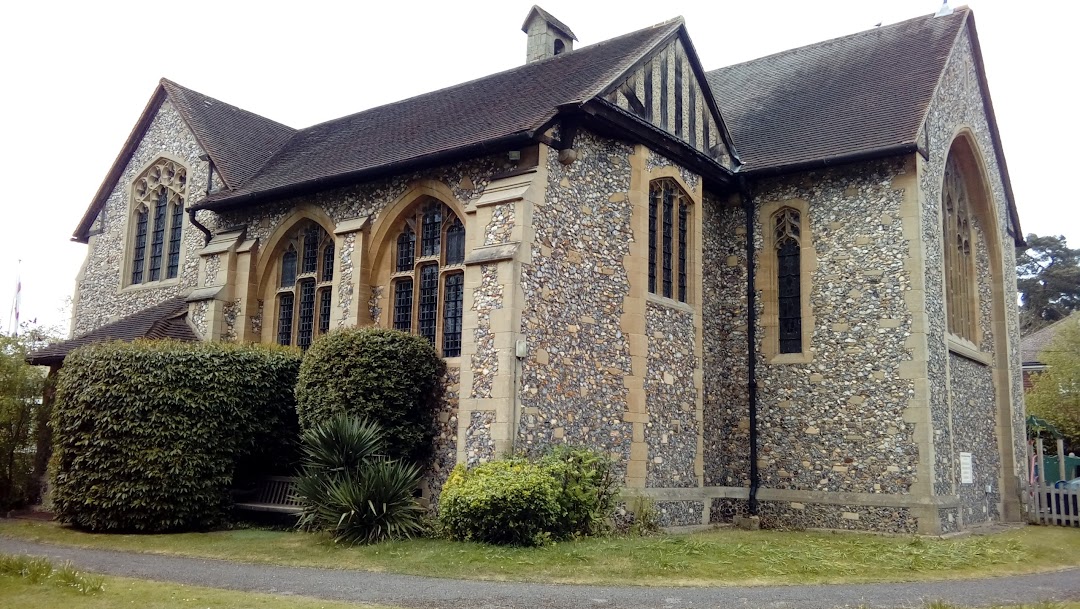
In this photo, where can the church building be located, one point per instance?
(785, 286)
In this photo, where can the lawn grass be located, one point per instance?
(717, 557)
(19, 593)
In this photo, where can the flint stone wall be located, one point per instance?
(958, 103)
(836, 423)
(99, 297)
(572, 386)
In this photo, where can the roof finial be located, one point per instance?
(944, 10)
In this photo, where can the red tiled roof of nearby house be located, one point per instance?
(1032, 345)
(161, 321)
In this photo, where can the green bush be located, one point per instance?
(148, 436)
(387, 376)
(511, 502)
(349, 489)
(588, 490)
(20, 389)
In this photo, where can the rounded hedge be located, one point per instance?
(501, 502)
(388, 376)
(148, 436)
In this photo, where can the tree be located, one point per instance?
(1055, 393)
(20, 400)
(1048, 279)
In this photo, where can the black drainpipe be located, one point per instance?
(191, 212)
(751, 336)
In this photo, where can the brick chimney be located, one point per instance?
(548, 36)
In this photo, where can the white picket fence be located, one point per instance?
(1046, 504)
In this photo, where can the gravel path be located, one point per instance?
(426, 592)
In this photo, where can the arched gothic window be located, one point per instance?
(428, 282)
(787, 238)
(306, 273)
(158, 222)
(960, 293)
(669, 218)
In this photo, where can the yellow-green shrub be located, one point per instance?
(502, 502)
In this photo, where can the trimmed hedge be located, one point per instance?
(148, 436)
(387, 376)
(501, 502)
(569, 492)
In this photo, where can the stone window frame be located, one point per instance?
(768, 282)
(681, 257)
(141, 196)
(959, 251)
(295, 242)
(413, 219)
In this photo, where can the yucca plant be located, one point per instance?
(350, 490)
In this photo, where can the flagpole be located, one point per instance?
(18, 297)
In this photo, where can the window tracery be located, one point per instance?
(306, 273)
(787, 239)
(158, 222)
(959, 257)
(427, 291)
(669, 217)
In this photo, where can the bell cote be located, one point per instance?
(548, 36)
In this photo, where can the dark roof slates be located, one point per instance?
(516, 101)
(165, 320)
(859, 93)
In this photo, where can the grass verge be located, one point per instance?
(20, 593)
(719, 557)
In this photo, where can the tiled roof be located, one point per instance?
(468, 116)
(238, 141)
(857, 94)
(1035, 343)
(165, 320)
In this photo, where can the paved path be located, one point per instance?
(429, 593)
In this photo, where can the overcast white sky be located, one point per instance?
(75, 76)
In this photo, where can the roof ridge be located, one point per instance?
(165, 82)
(595, 47)
(836, 39)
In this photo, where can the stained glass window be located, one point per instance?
(669, 229)
(158, 194)
(324, 310)
(789, 278)
(176, 224)
(430, 299)
(432, 230)
(452, 311)
(959, 260)
(455, 242)
(285, 318)
(307, 270)
(328, 263)
(406, 250)
(139, 255)
(157, 242)
(403, 301)
(288, 268)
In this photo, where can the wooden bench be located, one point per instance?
(272, 494)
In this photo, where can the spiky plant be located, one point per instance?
(351, 491)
